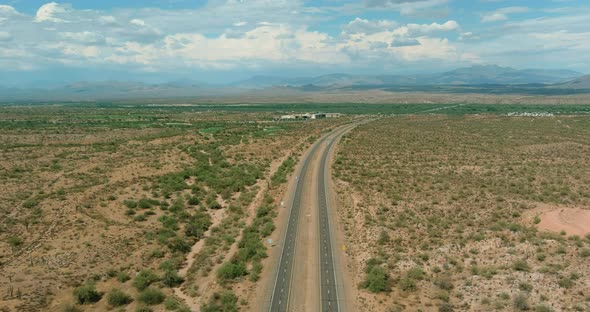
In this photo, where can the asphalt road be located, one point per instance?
(284, 275)
(329, 293)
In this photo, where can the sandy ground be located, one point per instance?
(574, 221)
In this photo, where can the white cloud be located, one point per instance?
(468, 35)
(363, 26)
(7, 10)
(4, 36)
(137, 22)
(415, 29)
(107, 20)
(502, 14)
(404, 42)
(267, 42)
(392, 44)
(52, 12)
(266, 34)
(86, 37)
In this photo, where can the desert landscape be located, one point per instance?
(139, 209)
(467, 212)
(295, 156)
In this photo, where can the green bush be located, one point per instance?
(416, 273)
(521, 265)
(87, 294)
(140, 218)
(122, 277)
(543, 308)
(179, 244)
(525, 286)
(224, 302)
(256, 270)
(145, 203)
(30, 203)
(376, 280)
(144, 279)
(231, 270)
(445, 307)
(143, 308)
(172, 279)
(169, 265)
(151, 296)
(251, 246)
(15, 241)
(383, 238)
(157, 253)
(117, 297)
(444, 282)
(280, 175)
(566, 282)
(172, 304)
(521, 302)
(169, 222)
(197, 225)
(130, 203)
(407, 284)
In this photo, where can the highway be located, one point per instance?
(329, 294)
(282, 290)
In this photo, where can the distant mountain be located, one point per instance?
(83, 91)
(578, 83)
(489, 79)
(258, 82)
(474, 75)
(493, 74)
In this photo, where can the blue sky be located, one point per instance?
(226, 40)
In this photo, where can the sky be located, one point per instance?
(220, 41)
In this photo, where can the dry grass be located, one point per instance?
(455, 198)
(90, 195)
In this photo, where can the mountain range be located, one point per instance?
(474, 75)
(578, 83)
(485, 77)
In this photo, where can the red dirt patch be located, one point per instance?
(573, 221)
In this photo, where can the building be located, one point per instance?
(307, 116)
(318, 116)
(288, 117)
